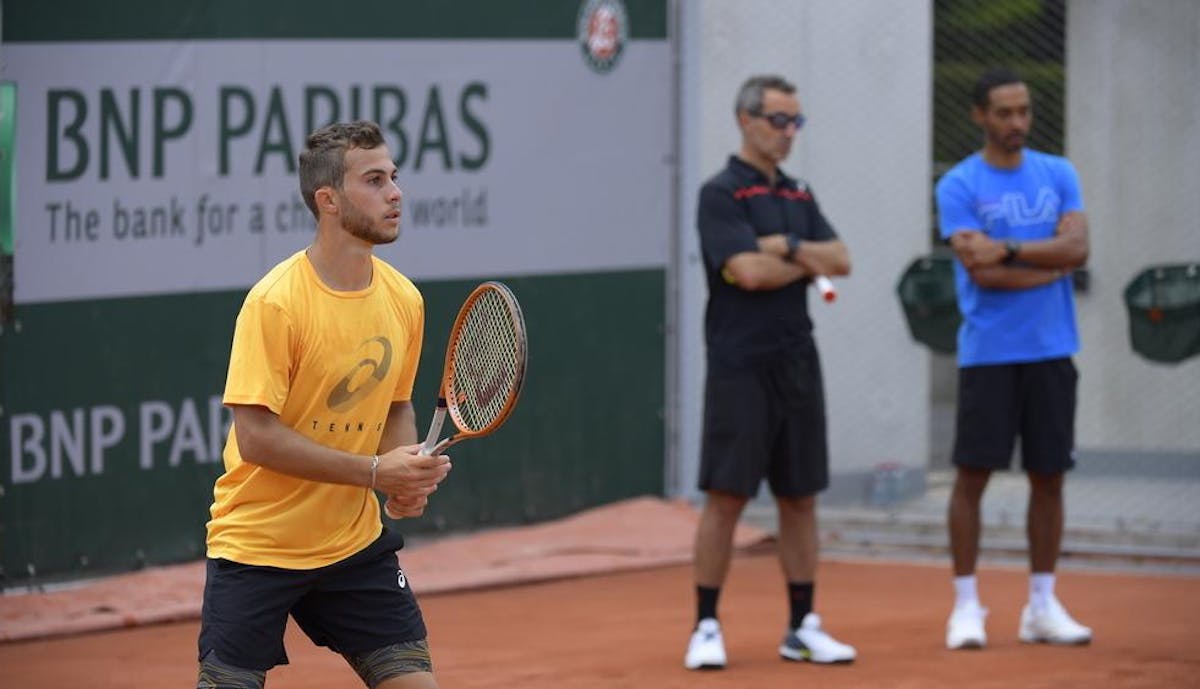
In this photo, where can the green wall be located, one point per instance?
(88, 20)
(588, 429)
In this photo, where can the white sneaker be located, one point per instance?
(965, 627)
(1052, 625)
(809, 642)
(706, 650)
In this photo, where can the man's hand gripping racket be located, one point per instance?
(483, 372)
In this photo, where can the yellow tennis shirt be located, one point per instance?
(329, 364)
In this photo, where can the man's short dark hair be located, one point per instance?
(750, 95)
(322, 163)
(998, 76)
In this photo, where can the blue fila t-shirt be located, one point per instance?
(1023, 203)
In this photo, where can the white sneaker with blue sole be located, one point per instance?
(706, 649)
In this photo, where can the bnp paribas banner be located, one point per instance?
(161, 166)
(154, 151)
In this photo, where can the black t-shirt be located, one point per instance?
(737, 206)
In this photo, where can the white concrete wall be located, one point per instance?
(862, 68)
(1133, 131)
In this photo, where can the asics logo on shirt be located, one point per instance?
(370, 365)
(1013, 208)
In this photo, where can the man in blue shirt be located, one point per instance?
(1014, 217)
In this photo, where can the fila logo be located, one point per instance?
(1014, 209)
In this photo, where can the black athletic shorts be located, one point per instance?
(360, 604)
(768, 422)
(998, 403)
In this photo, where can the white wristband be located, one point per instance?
(374, 468)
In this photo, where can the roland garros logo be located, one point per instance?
(602, 30)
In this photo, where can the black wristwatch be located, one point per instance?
(793, 247)
(1011, 248)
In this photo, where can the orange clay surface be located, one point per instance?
(624, 621)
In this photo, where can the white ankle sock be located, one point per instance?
(1041, 590)
(965, 591)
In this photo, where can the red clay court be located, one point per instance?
(574, 604)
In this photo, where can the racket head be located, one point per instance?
(486, 359)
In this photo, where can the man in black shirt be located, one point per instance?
(764, 241)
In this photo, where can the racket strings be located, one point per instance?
(487, 362)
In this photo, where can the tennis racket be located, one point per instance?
(484, 368)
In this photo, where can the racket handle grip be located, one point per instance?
(430, 444)
(435, 427)
(825, 286)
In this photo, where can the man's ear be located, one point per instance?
(327, 200)
(978, 115)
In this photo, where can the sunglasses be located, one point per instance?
(779, 120)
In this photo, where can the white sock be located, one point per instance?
(1041, 589)
(965, 591)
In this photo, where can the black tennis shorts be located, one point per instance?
(768, 422)
(360, 604)
(998, 403)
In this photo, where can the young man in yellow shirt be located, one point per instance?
(320, 380)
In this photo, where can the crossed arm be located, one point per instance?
(1038, 262)
(771, 267)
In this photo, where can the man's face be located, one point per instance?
(370, 199)
(1007, 118)
(761, 137)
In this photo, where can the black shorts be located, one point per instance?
(360, 604)
(998, 403)
(766, 422)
